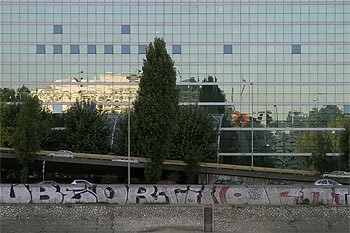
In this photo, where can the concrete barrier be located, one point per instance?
(175, 194)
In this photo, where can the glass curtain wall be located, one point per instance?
(268, 70)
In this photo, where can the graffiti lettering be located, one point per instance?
(180, 194)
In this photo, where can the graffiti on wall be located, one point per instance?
(175, 194)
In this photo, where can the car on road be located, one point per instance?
(337, 174)
(62, 153)
(231, 182)
(125, 160)
(326, 182)
(84, 182)
(278, 182)
(52, 182)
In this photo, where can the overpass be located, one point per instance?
(207, 170)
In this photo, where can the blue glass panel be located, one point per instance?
(108, 49)
(91, 49)
(57, 108)
(347, 109)
(57, 49)
(142, 49)
(40, 49)
(125, 29)
(74, 49)
(227, 49)
(296, 49)
(125, 49)
(176, 49)
(57, 29)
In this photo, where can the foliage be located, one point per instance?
(344, 146)
(194, 140)
(319, 157)
(121, 139)
(156, 107)
(175, 176)
(26, 137)
(8, 123)
(319, 144)
(54, 138)
(86, 128)
(7, 95)
(9, 110)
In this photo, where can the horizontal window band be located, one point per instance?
(188, 3)
(294, 104)
(273, 154)
(184, 43)
(179, 23)
(176, 63)
(92, 83)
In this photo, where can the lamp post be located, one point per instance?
(129, 97)
(251, 99)
(252, 124)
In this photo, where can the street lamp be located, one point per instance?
(252, 142)
(129, 97)
(251, 99)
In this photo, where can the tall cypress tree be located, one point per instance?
(156, 108)
(26, 138)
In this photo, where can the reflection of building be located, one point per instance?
(187, 92)
(111, 91)
(295, 55)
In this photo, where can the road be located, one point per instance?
(107, 218)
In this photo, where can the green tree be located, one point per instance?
(156, 108)
(26, 137)
(319, 158)
(121, 136)
(86, 128)
(194, 140)
(344, 146)
(8, 122)
(7, 95)
(9, 111)
(22, 94)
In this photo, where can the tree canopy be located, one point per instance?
(194, 140)
(26, 137)
(86, 128)
(156, 107)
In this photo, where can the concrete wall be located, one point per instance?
(175, 194)
(109, 218)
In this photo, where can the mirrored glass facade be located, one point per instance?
(278, 64)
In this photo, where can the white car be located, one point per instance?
(326, 182)
(62, 153)
(125, 160)
(84, 182)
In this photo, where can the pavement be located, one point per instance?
(109, 218)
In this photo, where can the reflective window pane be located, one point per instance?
(125, 49)
(91, 49)
(227, 49)
(125, 29)
(176, 49)
(296, 49)
(57, 49)
(57, 29)
(108, 49)
(40, 49)
(74, 49)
